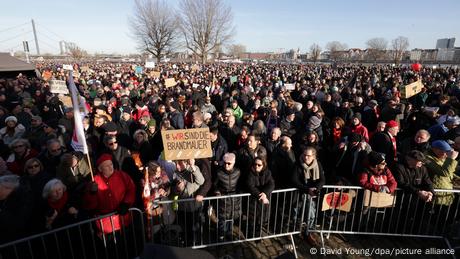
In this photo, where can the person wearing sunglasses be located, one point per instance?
(227, 183)
(260, 184)
(121, 156)
(35, 176)
(377, 177)
(21, 152)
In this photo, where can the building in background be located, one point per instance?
(447, 43)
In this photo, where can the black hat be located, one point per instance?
(175, 105)
(110, 127)
(357, 116)
(127, 109)
(52, 123)
(140, 103)
(100, 107)
(289, 112)
(417, 155)
(375, 158)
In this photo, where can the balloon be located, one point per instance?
(416, 67)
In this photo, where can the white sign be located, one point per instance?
(149, 64)
(195, 85)
(290, 87)
(58, 87)
(67, 67)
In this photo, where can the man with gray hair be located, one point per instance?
(15, 209)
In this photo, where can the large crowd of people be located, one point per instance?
(341, 124)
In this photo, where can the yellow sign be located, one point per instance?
(411, 89)
(170, 82)
(155, 74)
(186, 144)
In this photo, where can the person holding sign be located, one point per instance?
(377, 177)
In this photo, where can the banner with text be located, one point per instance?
(58, 87)
(186, 144)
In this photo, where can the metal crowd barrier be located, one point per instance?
(231, 219)
(353, 210)
(101, 237)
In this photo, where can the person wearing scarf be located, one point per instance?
(309, 179)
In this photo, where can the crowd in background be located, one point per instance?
(341, 124)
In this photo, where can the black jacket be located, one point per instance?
(413, 180)
(283, 165)
(299, 181)
(260, 182)
(381, 142)
(227, 182)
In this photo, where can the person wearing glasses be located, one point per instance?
(260, 184)
(377, 177)
(309, 179)
(227, 183)
(21, 153)
(35, 176)
(50, 157)
(121, 156)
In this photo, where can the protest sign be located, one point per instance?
(195, 67)
(195, 85)
(149, 64)
(378, 199)
(186, 144)
(411, 89)
(67, 67)
(155, 74)
(138, 70)
(233, 79)
(290, 87)
(170, 82)
(85, 69)
(58, 87)
(66, 100)
(336, 200)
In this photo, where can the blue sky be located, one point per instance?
(268, 25)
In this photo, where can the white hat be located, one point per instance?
(11, 118)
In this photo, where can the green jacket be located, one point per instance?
(238, 113)
(442, 173)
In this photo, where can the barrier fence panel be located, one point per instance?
(238, 218)
(227, 219)
(354, 210)
(108, 236)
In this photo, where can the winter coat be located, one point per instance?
(219, 148)
(372, 181)
(18, 132)
(442, 173)
(193, 180)
(177, 120)
(257, 183)
(226, 183)
(299, 181)
(75, 179)
(412, 180)
(381, 142)
(245, 157)
(283, 165)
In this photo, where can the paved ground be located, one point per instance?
(337, 246)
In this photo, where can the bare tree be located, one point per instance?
(236, 50)
(336, 49)
(206, 25)
(315, 52)
(376, 48)
(75, 52)
(154, 26)
(400, 46)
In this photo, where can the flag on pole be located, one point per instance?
(78, 138)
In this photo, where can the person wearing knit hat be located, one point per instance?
(13, 130)
(11, 118)
(358, 127)
(442, 165)
(376, 176)
(121, 187)
(385, 142)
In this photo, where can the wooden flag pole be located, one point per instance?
(90, 167)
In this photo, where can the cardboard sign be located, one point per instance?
(66, 100)
(149, 64)
(155, 74)
(85, 69)
(186, 144)
(195, 67)
(170, 82)
(290, 87)
(336, 200)
(195, 85)
(378, 199)
(233, 79)
(411, 89)
(58, 87)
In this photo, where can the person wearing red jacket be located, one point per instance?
(111, 191)
(376, 176)
(358, 128)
